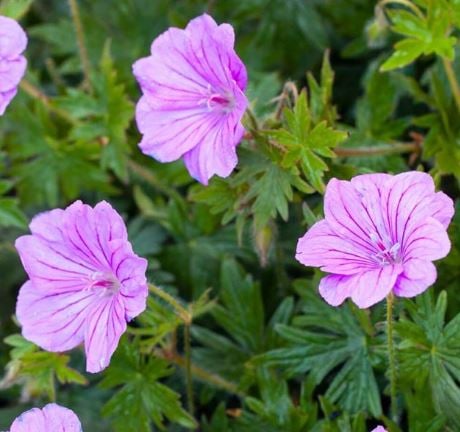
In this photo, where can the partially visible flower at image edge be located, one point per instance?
(380, 234)
(13, 42)
(193, 98)
(379, 429)
(85, 281)
(52, 418)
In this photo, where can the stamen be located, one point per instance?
(107, 283)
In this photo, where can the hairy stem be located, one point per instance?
(452, 81)
(377, 150)
(75, 12)
(37, 94)
(188, 367)
(181, 311)
(391, 357)
(203, 374)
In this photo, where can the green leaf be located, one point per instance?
(406, 51)
(38, 370)
(15, 9)
(430, 353)
(140, 393)
(325, 339)
(10, 213)
(305, 142)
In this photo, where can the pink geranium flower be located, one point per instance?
(380, 234)
(193, 100)
(52, 418)
(13, 42)
(85, 282)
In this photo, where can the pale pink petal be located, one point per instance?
(47, 225)
(53, 320)
(5, 99)
(406, 201)
(130, 272)
(418, 275)
(335, 289)
(11, 73)
(442, 208)
(106, 324)
(13, 40)
(347, 216)
(321, 247)
(213, 155)
(52, 265)
(61, 419)
(33, 420)
(428, 240)
(87, 237)
(53, 418)
(379, 429)
(185, 127)
(370, 287)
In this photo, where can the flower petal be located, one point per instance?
(33, 420)
(406, 201)
(215, 154)
(442, 208)
(5, 99)
(322, 247)
(335, 289)
(13, 40)
(52, 265)
(370, 287)
(427, 240)
(185, 128)
(52, 418)
(106, 323)
(418, 275)
(347, 216)
(130, 271)
(11, 73)
(53, 320)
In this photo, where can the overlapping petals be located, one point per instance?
(52, 418)
(13, 42)
(380, 234)
(193, 98)
(85, 282)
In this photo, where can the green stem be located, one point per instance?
(377, 150)
(37, 94)
(204, 375)
(188, 367)
(75, 12)
(183, 313)
(391, 358)
(452, 81)
(406, 3)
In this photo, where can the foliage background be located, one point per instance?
(268, 353)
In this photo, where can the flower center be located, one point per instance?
(386, 251)
(218, 100)
(107, 283)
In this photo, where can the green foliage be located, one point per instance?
(426, 32)
(323, 338)
(430, 352)
(140, 398)
(38, 371)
